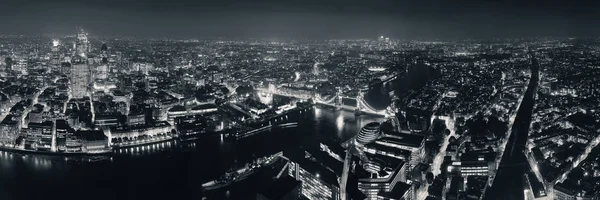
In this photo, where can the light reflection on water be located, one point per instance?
(339, 122)
(38, 163)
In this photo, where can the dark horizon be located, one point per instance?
(309, 19)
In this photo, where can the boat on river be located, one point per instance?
(242, 173)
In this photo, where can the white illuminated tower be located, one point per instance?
(82, 44)
(55, 60)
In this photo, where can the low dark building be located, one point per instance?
(285, 188)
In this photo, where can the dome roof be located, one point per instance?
(368, 133)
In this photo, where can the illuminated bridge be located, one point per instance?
(375, 99)
(358, 103)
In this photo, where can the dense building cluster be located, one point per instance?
(446, 109)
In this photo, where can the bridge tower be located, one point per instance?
(359, 99)
(338, 97)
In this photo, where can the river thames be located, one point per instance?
(171, 170)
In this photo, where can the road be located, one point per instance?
(508, 182)
(34, 100)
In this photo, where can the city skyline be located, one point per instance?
(297, 100)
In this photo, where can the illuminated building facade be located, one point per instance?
(315, 185)
(106, 120)
(39, 135)
(474, 164)
(9, 130)
(381, 176)
(82, 44)
(80, 78)
(20, 66)
(473, 168)
(55, 56)
(102, 72)
(136, 119)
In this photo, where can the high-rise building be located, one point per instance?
(80, 78)
(102, 72)
(9, 62)
(82, 44)
(55, 56)
(102, 69)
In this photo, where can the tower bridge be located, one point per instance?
(338, 100)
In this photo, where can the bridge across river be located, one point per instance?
(335, 101)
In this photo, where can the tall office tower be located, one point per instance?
(80, 77)
(9, 62)
(82, 44)
(104, 54)
(102, 69)
(102, 72)
(55, 59)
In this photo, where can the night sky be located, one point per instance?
(312, 19)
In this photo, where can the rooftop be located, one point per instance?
(90, 135)
(205, 106)
(177, 108)
(410, 140)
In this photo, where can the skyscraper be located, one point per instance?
(80, 69)
(9, 63)
(102, 69)
(80, 77)
(82, 44)
(55, 59)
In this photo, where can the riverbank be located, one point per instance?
(105, 152)
(135, 143)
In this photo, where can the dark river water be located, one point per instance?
(171, 170)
